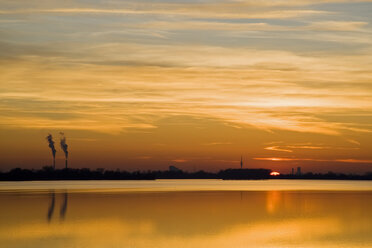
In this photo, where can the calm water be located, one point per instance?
(186, 213)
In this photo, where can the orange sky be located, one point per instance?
(135, 85)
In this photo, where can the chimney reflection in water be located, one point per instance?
(63, 207)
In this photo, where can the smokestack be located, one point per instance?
(64, 147)
(52, 148)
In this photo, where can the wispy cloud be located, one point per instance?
(283, 159)
(229, 90)
(223, 25)
(217, 143)
(190, 10)
(277, 148)
(337, 26)
(296, 147)
(179, 160)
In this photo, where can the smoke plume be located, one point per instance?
(64, 146)
(51, 144)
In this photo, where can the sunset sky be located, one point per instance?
(141, 85)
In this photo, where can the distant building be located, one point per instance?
(298, 171)
(174, 169)
(241, 162)
(292, 171)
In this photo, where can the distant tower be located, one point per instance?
(241, 162)
(298, 171)
(292, 171)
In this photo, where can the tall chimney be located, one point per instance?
(49, 138)
(64, 147)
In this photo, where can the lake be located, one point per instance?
(186, 213)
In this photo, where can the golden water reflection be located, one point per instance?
(186, 219)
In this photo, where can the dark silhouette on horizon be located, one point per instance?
(48, 173)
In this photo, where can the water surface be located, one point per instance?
(186, 213)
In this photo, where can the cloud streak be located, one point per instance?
(194, 11)
(292, 148)
(281, 159)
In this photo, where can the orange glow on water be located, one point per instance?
(217, 217)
